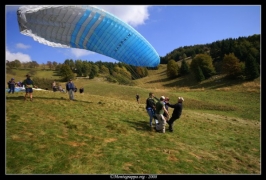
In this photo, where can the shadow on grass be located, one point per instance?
(139, 125)
(212, 84)
(159, 80)
(163, 72)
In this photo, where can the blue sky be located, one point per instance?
(165, 27)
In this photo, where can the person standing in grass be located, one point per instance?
(150, 106)
(54, 86)
(29, 84)
(160, 109)
(137, 98)
(71, 88)
(11, 86)
(176, 113)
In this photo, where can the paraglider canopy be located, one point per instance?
(86, 27)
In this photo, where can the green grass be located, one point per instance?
(106, 131)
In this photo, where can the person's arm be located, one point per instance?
(156, 98)
(33, 85)
(171, 105)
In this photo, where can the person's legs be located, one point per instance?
(12, 88)
(25, 98)
(161, 126)
(150, 115)
(69, 93)
(72, 94)
(171, 123)
(30, 93)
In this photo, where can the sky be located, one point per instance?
(165, 27)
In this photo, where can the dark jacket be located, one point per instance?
(150, 103)
(28, 83)
(70, 86)
(177, 109)
(11, 84)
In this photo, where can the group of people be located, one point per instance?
(157, 109)
(29, 84)
(59, 88)
(12, 84)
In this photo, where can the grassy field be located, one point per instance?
(107, 132)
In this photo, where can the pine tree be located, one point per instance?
(199, 74)
(251, 68)
(184, 69)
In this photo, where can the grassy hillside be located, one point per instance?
(106, 131)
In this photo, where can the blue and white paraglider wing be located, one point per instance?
(86, 27)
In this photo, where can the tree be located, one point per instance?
(13, 64)
(54, 64)
(78, 67)
(43, 66)
(204, 61)
(251, 68)
(58, 67)
(140, 72)
(94, 71)
(25, 65)
(49, 64)
(231, 65)
(17, 63)
(122, 71)
(86, 68)
(66, 73)
(184, 56)
(33, 64)
(71, 64)
(9, 64)
(184, 69)
(172, 69)
(199, 75)
(104, 69)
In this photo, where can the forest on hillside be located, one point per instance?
(237, 57)
(241, 47)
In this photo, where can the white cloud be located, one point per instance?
(22, 46)
(17, 56)
(80, 52)
(132, 14)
